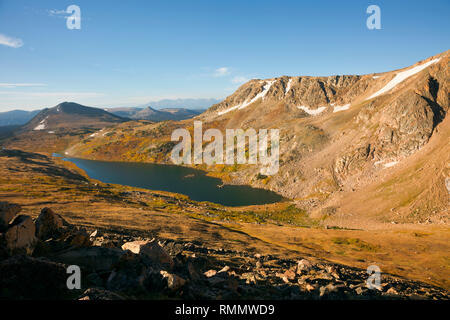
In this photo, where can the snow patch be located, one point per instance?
(246, 103)
(41, 125)
(312, 112)
(390, 164)
(288, 86)
(378, 162)
(386, 165)
(51, 132)
(341, 108)
(375, 77)
(401, 76)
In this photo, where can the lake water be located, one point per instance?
(191, 182)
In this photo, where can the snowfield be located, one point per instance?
(401, 76)
(288, 88)
(312, 112)
(341, 108)
(390, 164)
(41, 125)
(246, 103)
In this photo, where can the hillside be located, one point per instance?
(70, 115)
(54, 129)
(344, 140)
(264, 243)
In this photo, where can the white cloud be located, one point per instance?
(220, 72)
(63, 95)
(239, 80)
(21, 85)
(10, 42)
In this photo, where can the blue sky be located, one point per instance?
(132, 52)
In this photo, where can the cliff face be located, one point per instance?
(339, 135)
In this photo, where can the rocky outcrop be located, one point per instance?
(24, 277)
(151, 251)
(7, 212)
(49, 224)
(90, 258)
(137, 268)
(100, 294)
(19, 237)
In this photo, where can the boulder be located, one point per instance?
(193, 272)
(210, 273)
(330, 288)
(50, 224)
(152, 252)
(7, 212)
(174, 282)
(91, 258)
(287, 276)
(78, 237)
(24, 277)
(135, 246)
(304, 266)
(100, 294)
(20, 236)
(131, 275)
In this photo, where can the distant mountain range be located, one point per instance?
(16, 117)
(167, 109)
(181, 103)
(152, 114)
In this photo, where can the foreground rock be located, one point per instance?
(91, 258)
(7, 213)
(100, 294)
(151, 251)
(24, 277)
(19, 237)
(132, 268)
(49, 224)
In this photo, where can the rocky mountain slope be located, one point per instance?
(35, 255)
(341, 137)
(70, 115)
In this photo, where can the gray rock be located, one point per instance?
(19, 237)
(49, 224)
(330, 288)
(131, 275)
(174, 282)
(7, 212)
(91, 258)
(100, 294)
(304, 266)
(24, 277)
(152, 251)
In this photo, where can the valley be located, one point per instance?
(363, 168)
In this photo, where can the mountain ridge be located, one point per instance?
(152, 114)
(71, 115)
(334, 138)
